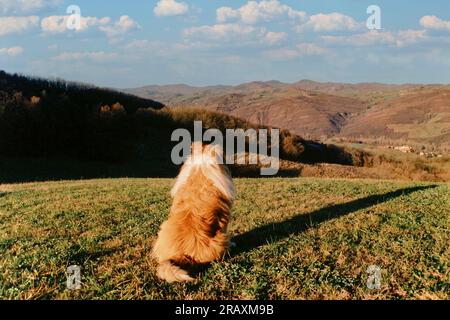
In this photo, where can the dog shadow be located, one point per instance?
(277, 231)
(78, 256)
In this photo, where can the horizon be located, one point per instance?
(226, 85)
(200, 44)
(290, 83)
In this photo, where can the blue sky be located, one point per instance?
(139, 42)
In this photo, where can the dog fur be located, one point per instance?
(195, 232)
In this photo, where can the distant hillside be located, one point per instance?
(306, 113)
(418, 115)
(409, 112)
(351, 88)
(182, 94)
(47, 127)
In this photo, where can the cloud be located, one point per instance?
(143, 48)
(300, 50)
(58, 24)
(11, 52)
(113, 30)
(227, 32)
(434, 23)
(226, 13)
(97, 56)
(362, 39)
(120, 28)
(400, 39)
(12, 25)
(166, 8)
(192, 45)
(253, 12)
(224, 31)
(272, 38)
(330, 22)
(26, 6)
(408, 37)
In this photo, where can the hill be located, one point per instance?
(269, 103)
(421, 115)
(52, 125)
(175, 94)
(296, 239)
(13, 85)
(409, 113)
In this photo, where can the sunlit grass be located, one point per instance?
(296, 239)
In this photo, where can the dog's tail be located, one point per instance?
(172, 273)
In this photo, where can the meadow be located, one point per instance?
(297, 238)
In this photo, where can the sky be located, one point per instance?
(133, 43)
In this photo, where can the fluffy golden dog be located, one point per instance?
(195, 232)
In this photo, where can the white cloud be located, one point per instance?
(434, 23)
(300, 50)
(400, 39)
(225, 31)
(11, 52)
(97, 56)
(166, 8)
(253, 12)
(226, 13)
(274, 37)
(310, 49)
(142, 48)
(362, 39)
(407, 37)
(120, 28)
(330, 22)
(58, 24)
(191, 45)
(11, 25)
(26, 6)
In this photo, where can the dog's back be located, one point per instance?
(195, 232)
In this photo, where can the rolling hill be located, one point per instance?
(271, 103)
(53, 129)
(418, 115)
(410, 112)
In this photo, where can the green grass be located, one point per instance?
(296, 239)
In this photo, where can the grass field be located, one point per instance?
(296, 239)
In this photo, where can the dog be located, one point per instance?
(195, 233)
